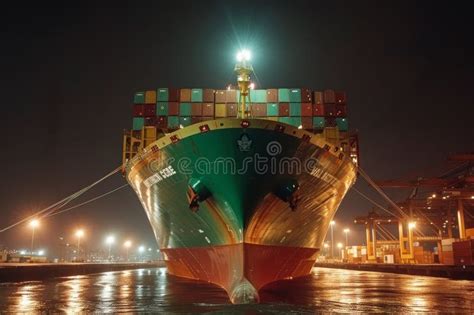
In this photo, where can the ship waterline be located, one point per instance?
(240, 203)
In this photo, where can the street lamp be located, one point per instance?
(109, 241)
(127, 245)
(79, 235)
(412, 225)
(141, 249)
(33, 224)
(346, 231)
(332, 237)
(339, 245)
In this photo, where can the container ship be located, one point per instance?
(240, 184)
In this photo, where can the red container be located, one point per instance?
(150, 121)
(306, 109)
(173, 95)
(162, 122)
(230, 96)
(306, 96)
(340, 97)
(272, 96)
(283, 109)
(330, 110)
(220, 96)
(259, 110)
(195, 120)
(329, 97)
(318, 110)
(307, 122)
(318, 97)
(138, 110)
(208, 95)
(185, 95)
(341, 110)
(232, 109)
(150, 110)
(173, 109)
(196, 109)
(463, 252)
(208, 109)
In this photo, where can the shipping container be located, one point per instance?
(231, 96)
(208, 95)
(295, 95)
(318, 110)
(138, 110)
(173, 109)
(150, 121)
(284, 95)
(185, 95)
(283, 109)
(139, 98)
(306, 96)
(173, 122)
(340, 97)
(342, 124)
(150, 110)
(463, 252)
(185, 109)
(307, 122)
(306, 109)
(196, 95)
(162, 108)
(330, 110)
(150, 97)
(272, 109)
(293, 121)
(330, 122)
(220, 110)
(138, 123)
(208, 109)
(195, 120)
(184, 121)
(318, 97)
(220, 96)
(231, 110)
(329, 97)
(295, 109)
(259, 110)
(162, 122)
(205, 118)
(196, 109)
(319, 122)
(341, 110)
(162, 95)
(258, 96)
(272, 95)
(272, 118)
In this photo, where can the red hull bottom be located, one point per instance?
(241, 269)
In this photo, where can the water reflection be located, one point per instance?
(152, 290)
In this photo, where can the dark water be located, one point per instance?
(152, 290)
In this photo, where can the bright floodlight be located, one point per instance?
(346, 231)
(141, 249)
(110, 239)
(41, 252)
(326, 245)
(127, 244)
(79, 233)
(34, 223)
(412, 225)
(333, 222)
(252, 86)
(243, 55)
(339, 245)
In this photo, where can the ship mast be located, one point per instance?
(243, 69)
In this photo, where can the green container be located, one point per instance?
(272, 109)
(138, 123)
(342, 124)
(258, 96)
(139, 98)
(319, 122)
(284, 95)
(295, 109)
(295, 95)
(162, 109)
(196, 95)
(285, 120)
(173, 122)
(184, 121)
(295, 121)
(162, 95)
(184, 109)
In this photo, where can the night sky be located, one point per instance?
(68, 75)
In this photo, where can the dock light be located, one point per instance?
(40, 252)
(433, 195)
(243, 55)
(33, 224)
(412, 225)
(472, 197)
(252, 86)
(127, 245)
(149, 249)
(141, 249)
(333, 222)
(22, 252)
(300, 127)
(339, 245)
(109, 241)
(79, 235)
(326, 245)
